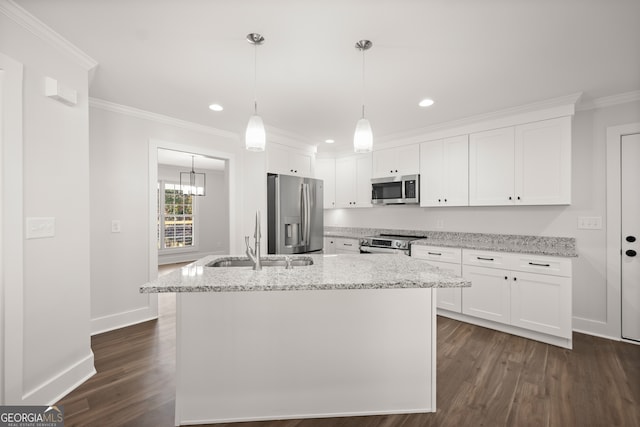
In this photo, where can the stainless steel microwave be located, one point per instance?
(396, 190)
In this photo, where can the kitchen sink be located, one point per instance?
(266, 262)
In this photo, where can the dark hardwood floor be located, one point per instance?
(484, 378)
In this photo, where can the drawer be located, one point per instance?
(347, 245)
(554, 266)
(487, 259)
(437, 253)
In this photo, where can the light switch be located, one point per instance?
(440, 224)
(590, 222)
(39, 228)
(116, 226)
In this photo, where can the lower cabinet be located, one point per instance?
(329, 246)
(526, 293)
(521, 294)
(447, 259)
(345, 245)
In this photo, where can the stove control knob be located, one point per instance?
(398, 244)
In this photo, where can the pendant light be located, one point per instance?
(192, 183)
(255, 136)
(363, 136)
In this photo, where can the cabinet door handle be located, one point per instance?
(434, 253)
(514, 279)
(485, 259)
(539, 265)
(518, 197)
(510, 198)
(347, 244)
(506, 278)
(631, 253)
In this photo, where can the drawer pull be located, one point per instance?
(347, 244)
(539, 265)
(485, 259)
(434, 253)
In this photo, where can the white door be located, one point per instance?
(431, 173)
(456, 174)
(345, 182)
(489, 296)
(363, 181)
(630, 159)
(449, 298)
(541, 302)
(491, 167)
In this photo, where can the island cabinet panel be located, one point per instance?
(280, 355)
(353, 181)
(396, 161)
(446, 259)
(528, 164)
(329, 245)
(444, 172)
(528, 295)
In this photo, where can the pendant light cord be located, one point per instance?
(363, 87)
(255, 78)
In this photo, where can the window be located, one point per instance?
(175, 217)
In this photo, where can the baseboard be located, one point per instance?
(127, 318)
(595, 328)
(61, 384)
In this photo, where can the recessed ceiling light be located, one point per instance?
(426, 102)
(216, 107)
(329, 141)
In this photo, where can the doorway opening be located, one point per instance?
(183, 227)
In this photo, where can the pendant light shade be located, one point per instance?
(193, 183)
(363, 137)
(255, 135)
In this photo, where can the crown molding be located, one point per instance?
(44, 32)
(550, 108)
(290, 139)
(159, 118)
(609, 101)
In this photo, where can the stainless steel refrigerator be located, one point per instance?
(294, 214)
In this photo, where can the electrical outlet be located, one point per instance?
(116, 226)
(590, 223)
(39, 228)
(440, 224)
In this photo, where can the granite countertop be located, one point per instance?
(328, 272)
(536, 245)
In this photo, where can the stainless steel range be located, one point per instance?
(387, 243)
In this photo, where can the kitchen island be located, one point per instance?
(347, 335)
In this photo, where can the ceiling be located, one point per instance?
(471, 56)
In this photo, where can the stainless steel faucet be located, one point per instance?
(254, 253)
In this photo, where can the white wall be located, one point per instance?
(53, 342)
(119, 159)
(212, 216)
(588, 199)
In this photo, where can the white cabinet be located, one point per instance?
(447, 259)
(396, 161)
(444, 172)
(528, 164)
(488, 297)
(353, 181)
(528, 292)
(329, 245)
(283, 161)
(344, 245)
(326, 171)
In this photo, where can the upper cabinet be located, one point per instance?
(288, 162)
(444, 172)
(527, 164)
(396, 161)
(326, 171)
(353, 181)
